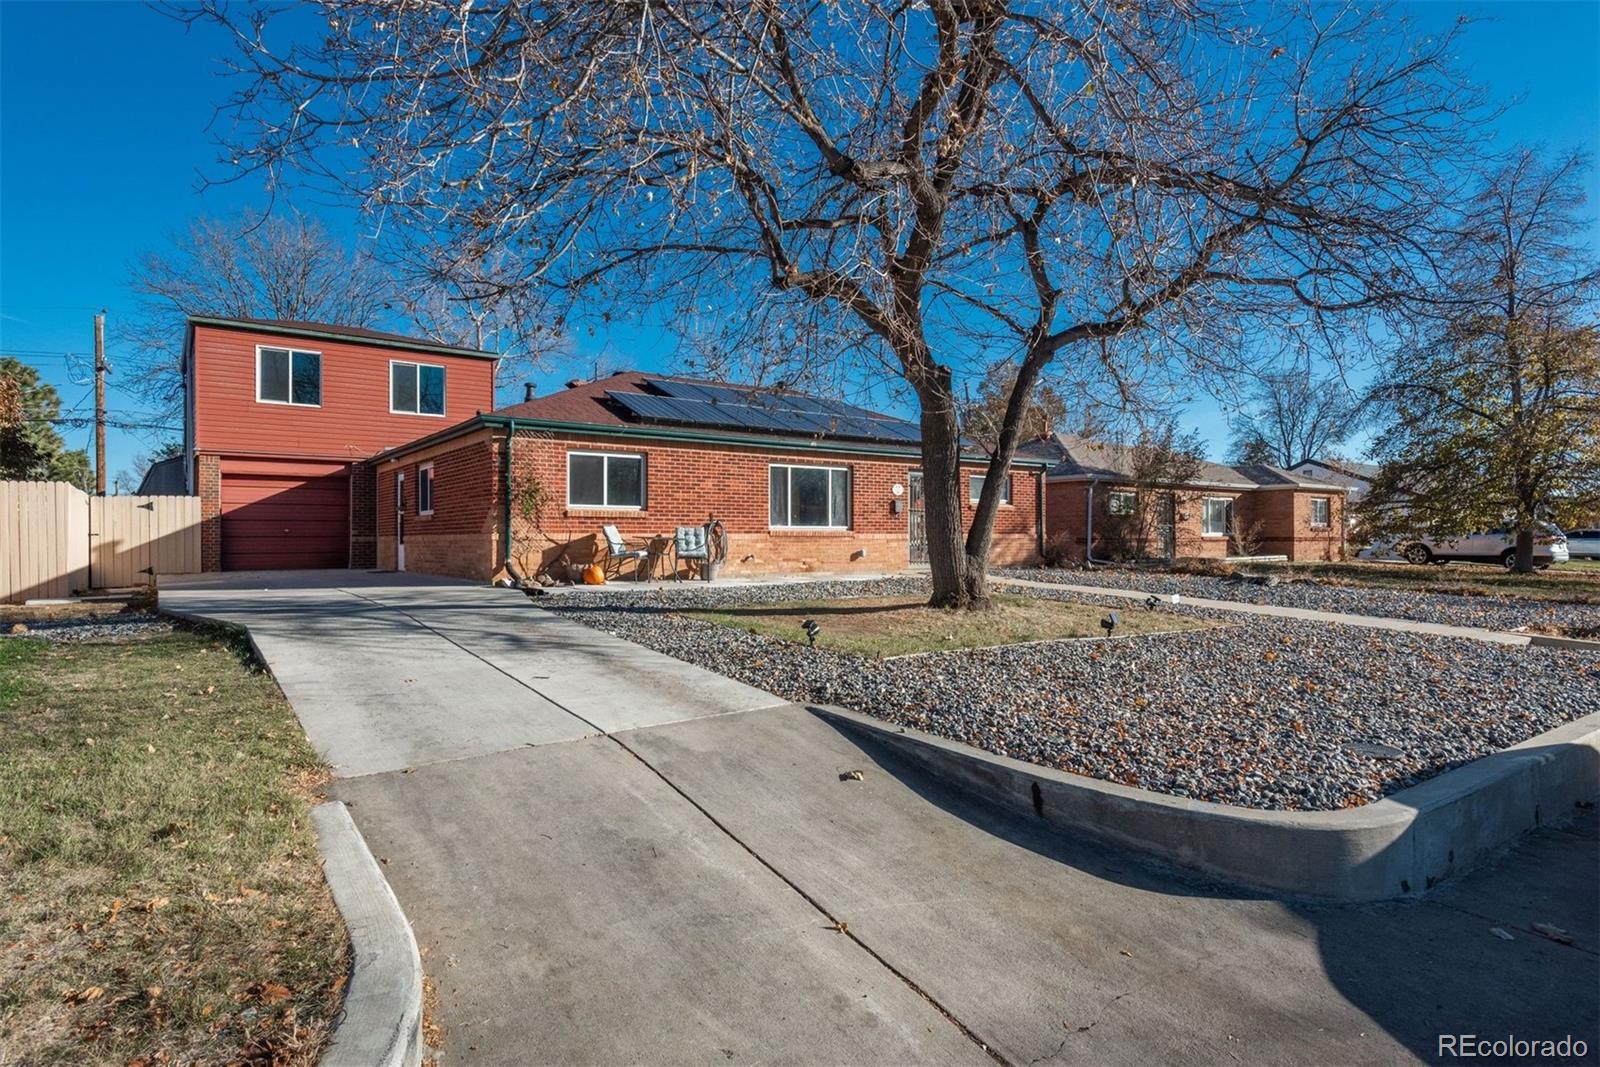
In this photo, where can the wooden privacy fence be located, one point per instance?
(56, 540)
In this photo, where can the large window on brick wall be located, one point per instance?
(605, 480)
(808, 497)
(1216, 516)
(1320, 512)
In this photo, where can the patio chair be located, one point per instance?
(689, 544)
(618, 552)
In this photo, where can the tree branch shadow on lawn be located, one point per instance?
(1402, 963)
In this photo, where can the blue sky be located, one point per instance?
(104, 109)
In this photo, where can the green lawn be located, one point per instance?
(163, 896)
(897, 626)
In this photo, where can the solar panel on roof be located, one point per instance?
(691, 412)
(761, 398)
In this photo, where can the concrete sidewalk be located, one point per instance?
(705, 888)
(1371, 622)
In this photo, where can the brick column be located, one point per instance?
(208, 479)
(363, 517)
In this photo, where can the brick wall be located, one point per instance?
(1284, 517)
(1286, 528)
(685, 484)
(208, 484)
(363, 517)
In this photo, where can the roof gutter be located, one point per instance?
(402, 344)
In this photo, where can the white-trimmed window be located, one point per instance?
(425, 489)
(416, 388)
(605, 480)
(288, 376)
(808, 497)
(1321, 512)
(975, 489)
(1121, 502)
(1216, 516)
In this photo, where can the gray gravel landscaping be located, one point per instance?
(1263, 713)
(91, 627)
(1487, 612)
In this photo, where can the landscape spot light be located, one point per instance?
(812, 629)
(1109, 623)
(1150, 602)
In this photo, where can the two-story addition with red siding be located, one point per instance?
(280, 417)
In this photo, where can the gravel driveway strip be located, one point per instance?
(1264, 713)
(1487, 612)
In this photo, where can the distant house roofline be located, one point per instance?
(321, 331)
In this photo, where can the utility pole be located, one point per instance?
(100, 404)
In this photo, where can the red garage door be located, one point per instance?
(284, 521)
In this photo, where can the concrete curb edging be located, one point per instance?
(1399, 846)
(380, 1022)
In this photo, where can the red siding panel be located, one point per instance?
(353, 421)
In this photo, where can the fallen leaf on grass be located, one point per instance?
(84, 995)
(270, 992)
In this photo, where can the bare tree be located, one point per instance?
(883, 190)
(1494, 409)
(1294, 417)
(282, 266)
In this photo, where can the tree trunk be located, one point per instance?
(941, 488)
(1524, 552)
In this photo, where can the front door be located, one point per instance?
(400, 520)
(917, 520)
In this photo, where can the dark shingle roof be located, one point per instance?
(1084, 459)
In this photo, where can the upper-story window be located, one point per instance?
(287, 376)
(416, 388)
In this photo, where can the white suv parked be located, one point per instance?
(1495, 546)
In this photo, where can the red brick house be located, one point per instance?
(280, 417)
(800, 484)
(1252, 509)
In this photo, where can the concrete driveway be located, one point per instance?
(610, 857)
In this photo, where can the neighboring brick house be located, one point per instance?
(279, 417)
(800, 484)
(1250, 509)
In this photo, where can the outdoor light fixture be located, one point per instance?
(1109, 623)
(1150, 602)
(812, 629)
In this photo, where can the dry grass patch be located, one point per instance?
(1575, 582)
(163, 896)
(900, 625)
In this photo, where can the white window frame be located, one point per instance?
(974, 492)
(1128, 495)
(1327, 512)
(291, 402)
(850, 491)
(417, 371)
(1205, 510)
(605, 481)
(426, 468)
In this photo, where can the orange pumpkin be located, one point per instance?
(594, 574)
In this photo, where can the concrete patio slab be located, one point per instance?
(575, 909)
